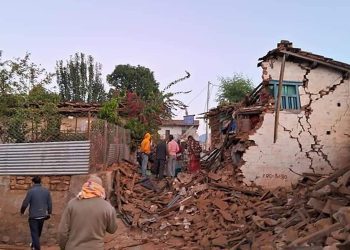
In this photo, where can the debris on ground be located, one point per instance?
(210, 210)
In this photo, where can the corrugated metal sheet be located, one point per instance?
(45, 158)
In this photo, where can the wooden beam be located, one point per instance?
(117, 191)
(316, 235)
(89, 124)
(76, 124)
(105, 144)
(278, 105)
(315, 60)
(331, 178)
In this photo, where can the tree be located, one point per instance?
(140, 100)
(136, 79)
(19, 75)
(24, 101)
(79, 79)
(234, 89)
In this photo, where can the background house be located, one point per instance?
(180, 128)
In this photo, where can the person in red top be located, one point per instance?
(194, 150)
(173, 148)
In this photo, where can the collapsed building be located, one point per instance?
(311, 132)
(304, 144)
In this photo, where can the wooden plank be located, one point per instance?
(285, 52)
(239, 189)
(89, 124)
(133, 182)
(279, 95)
(331, 178)
(316, 235)
(105, 144)
(176, 206)
(117, 191)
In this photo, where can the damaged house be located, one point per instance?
(310, 133)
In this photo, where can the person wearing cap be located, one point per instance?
(40, 208)
(87, 218)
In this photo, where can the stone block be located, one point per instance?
(5, 239)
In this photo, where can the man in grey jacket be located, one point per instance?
(87, 218)
(40, 208)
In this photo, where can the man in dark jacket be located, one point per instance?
(161, 152)
(40, 208)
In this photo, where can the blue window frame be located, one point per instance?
(290, 94)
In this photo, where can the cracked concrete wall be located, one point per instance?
(315, 139)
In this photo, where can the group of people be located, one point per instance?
(84, 222)
(88, 216)
(167, 155)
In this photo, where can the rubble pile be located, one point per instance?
(209, 210)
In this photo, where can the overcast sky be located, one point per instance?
(208, 38)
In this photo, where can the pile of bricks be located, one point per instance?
(210, 211)
(53, 183)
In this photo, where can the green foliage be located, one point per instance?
(9, 103)
(35, 119)
(142, 105)
(28, 111)
(19, 75)
(137, 129)
(39, 95)
(80, 79)
(17, 126)
(109, 110)
(136, 79)
(234, 89)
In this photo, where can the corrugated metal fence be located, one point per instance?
(45, 158)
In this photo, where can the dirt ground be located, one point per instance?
(124, 238)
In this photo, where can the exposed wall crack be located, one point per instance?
(332, 88)
(301, 125)
(316, 147)
(311, 161)
(307, 107)
(293, 137)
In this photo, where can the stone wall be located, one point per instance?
(315, 139)
(14, 228)
(53, 183)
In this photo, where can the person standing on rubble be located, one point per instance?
(161, 153)
(145, 151)
(194, 150)
(87, 218)
(40, 208)
(173, 148)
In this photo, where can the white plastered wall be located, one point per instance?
(318, 142)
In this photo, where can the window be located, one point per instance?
(290, 94)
